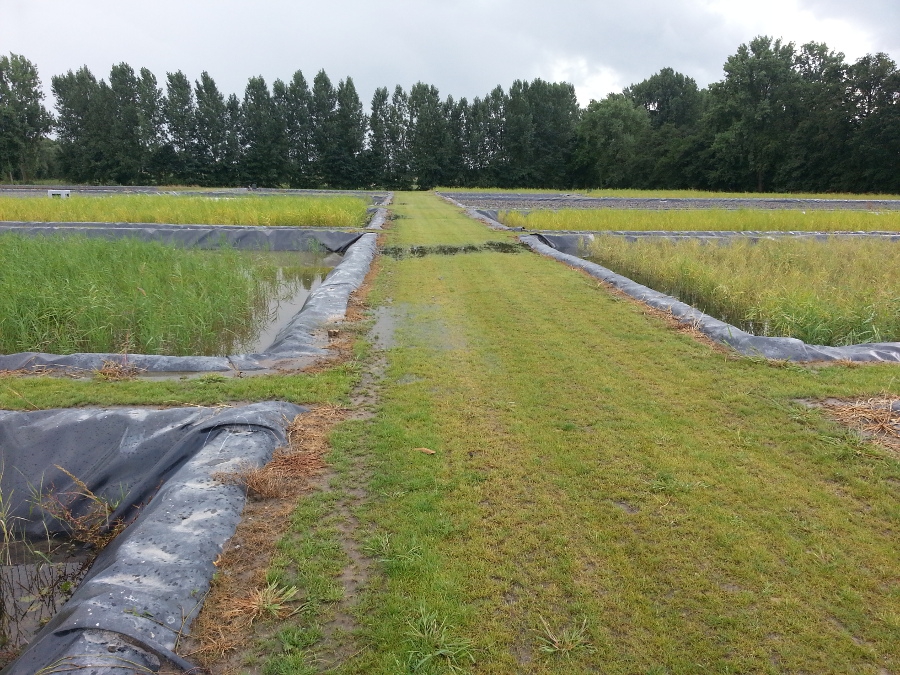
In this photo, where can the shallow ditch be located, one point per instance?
(297, 275)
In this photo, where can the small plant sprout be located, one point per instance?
(565, 642)
(432, 643)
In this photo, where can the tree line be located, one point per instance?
(783, 118)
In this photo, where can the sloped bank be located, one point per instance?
(780, 348)
(145, 588)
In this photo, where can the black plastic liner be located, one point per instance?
(377, 197)
(300, 342)
(524, 201)
(789, 349)
(575, 242)
(242, 237)
(146, 587)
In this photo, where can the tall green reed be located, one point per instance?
(89, 295)
(271, 210)
(713, 219)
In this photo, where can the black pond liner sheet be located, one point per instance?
(781, 348)
(299, 341)
(146, 587)
(492, 201)
(379, 198)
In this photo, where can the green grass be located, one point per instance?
(690, 194)
(607, 495)
(705, 220)
(836, 292)
(270, 210)
(674, 193)
(91, 295)
(331, 386)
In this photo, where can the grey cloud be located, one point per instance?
(464, 47)
(880, 18)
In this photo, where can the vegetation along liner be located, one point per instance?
(144, 589)
(781, 348)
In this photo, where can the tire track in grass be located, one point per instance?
(608, 495)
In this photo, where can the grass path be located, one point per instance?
(606, 495)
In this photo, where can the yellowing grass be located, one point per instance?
(186, 210)
(713, 219)
(727, 195)
(835, 292)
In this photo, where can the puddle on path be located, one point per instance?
(420, 326)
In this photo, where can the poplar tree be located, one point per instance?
(23, 118)
(293, 102)
(322, 116)
(180, 115)
(429, 137)
(262, 136)
(345, 168)
(210, 133)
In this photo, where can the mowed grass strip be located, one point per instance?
(607, 495)
(429, 222)
(270, 210)
(331, 386)
(835, 292)
(740, 220)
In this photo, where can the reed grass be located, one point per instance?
(742, 220)
(91, 295)
(835, 292)
(270, 210)
(686, 194)
(707, 194)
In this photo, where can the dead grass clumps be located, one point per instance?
(877, 417)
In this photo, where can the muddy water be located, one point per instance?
(298, 275)
(36, 579)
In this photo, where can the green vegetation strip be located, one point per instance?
(331, 386)
(606, 495)
(675, 194)
(92, 295)
(837, 292)
(333, 212)
(705, 220)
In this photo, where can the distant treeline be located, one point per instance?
(783, 118)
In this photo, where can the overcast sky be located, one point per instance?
(463, 47)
